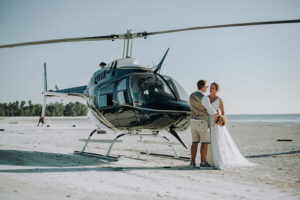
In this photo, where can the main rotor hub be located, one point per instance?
(127, 47)
(128, 34)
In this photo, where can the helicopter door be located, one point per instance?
(106, 103)
(126, 115)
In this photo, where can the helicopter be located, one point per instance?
(129, 97)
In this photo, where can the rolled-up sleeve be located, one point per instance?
(208, 106)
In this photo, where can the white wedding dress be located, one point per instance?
(224, 151)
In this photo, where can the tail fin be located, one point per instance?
(45, 77)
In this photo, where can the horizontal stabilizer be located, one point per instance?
(74, 90)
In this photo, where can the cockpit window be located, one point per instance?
(177, 88)
(149, 89)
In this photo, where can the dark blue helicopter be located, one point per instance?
(129, 97)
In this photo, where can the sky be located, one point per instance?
(257, 67)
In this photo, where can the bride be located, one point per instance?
(224, 150)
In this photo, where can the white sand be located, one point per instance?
(37, 163)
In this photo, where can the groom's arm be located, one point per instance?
(206, 103)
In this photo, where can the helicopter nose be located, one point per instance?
(165, 114)
(180, 106)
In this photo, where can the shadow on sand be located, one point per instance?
(55, 162)
(75, 163)
(272, 154)
(96, 169)
(44, 159)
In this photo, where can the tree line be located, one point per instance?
(53, 109)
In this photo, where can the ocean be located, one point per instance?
(263, 118)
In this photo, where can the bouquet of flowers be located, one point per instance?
(221, 120)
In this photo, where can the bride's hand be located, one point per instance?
(216, 116)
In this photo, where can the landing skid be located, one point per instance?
(167, 156)
(115, 140)
(104, 157)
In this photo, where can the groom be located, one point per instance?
(201, 109)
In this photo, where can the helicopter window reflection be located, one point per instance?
(149, 89)
(177, 88)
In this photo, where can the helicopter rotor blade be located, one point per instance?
(223, 26)
(78, 39)
(129, 35)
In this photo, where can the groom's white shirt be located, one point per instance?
(206, 103)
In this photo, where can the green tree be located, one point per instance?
(52, 109)
(69, 110)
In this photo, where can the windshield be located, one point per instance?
(177, 88)
(149, 89)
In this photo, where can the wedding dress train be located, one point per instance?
(224, 150)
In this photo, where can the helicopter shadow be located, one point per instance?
(45, 159)
(44, 162)
(100, 169)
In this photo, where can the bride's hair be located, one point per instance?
(216, 85)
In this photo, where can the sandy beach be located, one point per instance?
(38, 163)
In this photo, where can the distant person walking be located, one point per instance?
(41, 120)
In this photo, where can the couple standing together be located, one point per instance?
(208, 127)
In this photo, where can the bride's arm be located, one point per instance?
(222, 107)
